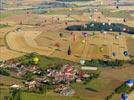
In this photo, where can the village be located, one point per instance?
(36, 79)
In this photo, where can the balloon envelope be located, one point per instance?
(82, 62)
(125, 53)
(83, 41)
(36, 60)
(130, 83)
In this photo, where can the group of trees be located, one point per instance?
(97, 26)
(15, 94)
(27, 59)
(4, 72)
(123, 88)
(28, 76)
(91, 77)
(103, 63)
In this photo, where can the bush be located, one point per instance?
(131, 61)
(4, 72)
(102, 63)
(28, 76)
(124, 88)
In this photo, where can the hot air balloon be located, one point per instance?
(125, 53)
(95, 20)
(101, 49)
(84, 26)
(124, 29)
(57, 45)
(129, 83)
(92, 25)
(117, 4)
(61, 34)
(82, 61)
(120, 33)
(113, 53)
(85, 34)
(69, 51)
(66, 23)
(110, 29)
(70, 9)
(116, 37)
(18, 29)
(124, 20)
(83, 41)
(124, 96)
(36, 60)
(103, 23)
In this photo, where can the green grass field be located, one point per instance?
(3, 26)
(5, 14)
(33, 96)
(5, 83)
(44, 61)
(117, 14)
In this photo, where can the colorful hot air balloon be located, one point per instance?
(129, 83)
(124, 96)
(82, 61)
(36, 60)
(85, 34)
(124, 20)
(83, 41)
(61, 34)
(101, 49)
(116, 37)
(125, 53)
(69, 51)
(113, 53)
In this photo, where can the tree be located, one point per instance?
(4, 72)
(15, 94)
(28, 76)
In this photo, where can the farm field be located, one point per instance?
(42, 27)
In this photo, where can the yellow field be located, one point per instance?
(42, 39)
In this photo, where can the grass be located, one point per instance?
(8, 81)
(3, 26)
(5, 5)
(5, 83)
(33, 96)
(98, 84)
(63, 12)
(117, 14)
(4, 91)
(46, 61)
(11, 13)
(5, 14)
